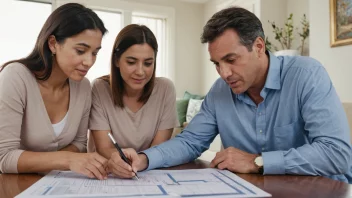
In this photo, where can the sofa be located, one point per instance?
(348, 110)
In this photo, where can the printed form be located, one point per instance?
(154, 183)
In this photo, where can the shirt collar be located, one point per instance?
(273, 79)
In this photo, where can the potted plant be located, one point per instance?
(285, 37)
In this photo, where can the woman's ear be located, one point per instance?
(52, 44)
(117, 61)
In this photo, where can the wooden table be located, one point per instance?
(282, 186)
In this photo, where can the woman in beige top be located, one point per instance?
(132, 104)
(45, 99)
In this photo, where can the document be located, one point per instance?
(155, 183)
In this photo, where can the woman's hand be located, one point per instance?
(92, 165)
(120, 168)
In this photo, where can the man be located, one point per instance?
(275, 115)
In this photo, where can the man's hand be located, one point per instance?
(143, 162)
(235, 160)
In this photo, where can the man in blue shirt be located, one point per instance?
(275, 115)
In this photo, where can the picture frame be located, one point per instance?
(340, 22)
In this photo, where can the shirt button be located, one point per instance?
(260, 131)
(263, 148)
(260, 113)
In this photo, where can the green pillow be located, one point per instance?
(181, 106)
(188, 96)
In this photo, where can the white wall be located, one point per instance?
(188, 26)
(273, 11)
(278, 11)
(336, 60)
(299, 8)
(208, 71)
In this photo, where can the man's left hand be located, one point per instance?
(235, 160)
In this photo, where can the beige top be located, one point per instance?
(134, 130)
(24, 122)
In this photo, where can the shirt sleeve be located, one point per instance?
(329, 151)
(80, 140)
(190, 144)
(12, 105)
(169, 115)
(98, 118)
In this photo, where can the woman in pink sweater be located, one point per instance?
(45, 99)
(135, 106)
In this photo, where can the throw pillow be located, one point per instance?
(188, 95)
(193, 108)
(181, 107)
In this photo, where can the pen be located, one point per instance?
(123, 156)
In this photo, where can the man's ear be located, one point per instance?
(52, 44)
(259, 46)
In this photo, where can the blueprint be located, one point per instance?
(154, 183)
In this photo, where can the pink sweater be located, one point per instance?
(24, 122)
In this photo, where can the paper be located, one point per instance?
(154, 183)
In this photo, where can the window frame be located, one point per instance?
(127, 9)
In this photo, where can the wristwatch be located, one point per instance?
(258, 161)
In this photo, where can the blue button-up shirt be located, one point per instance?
(299, 128)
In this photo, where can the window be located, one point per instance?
(160, 19)
(112, 22)
(157, 26)
(21, 22)
(24, 20)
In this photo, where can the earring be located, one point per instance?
(53, 54)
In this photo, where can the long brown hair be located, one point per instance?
(128, 36)
(66, 21)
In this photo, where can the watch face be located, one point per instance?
(259, 161)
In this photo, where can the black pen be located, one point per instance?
(123, 156)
